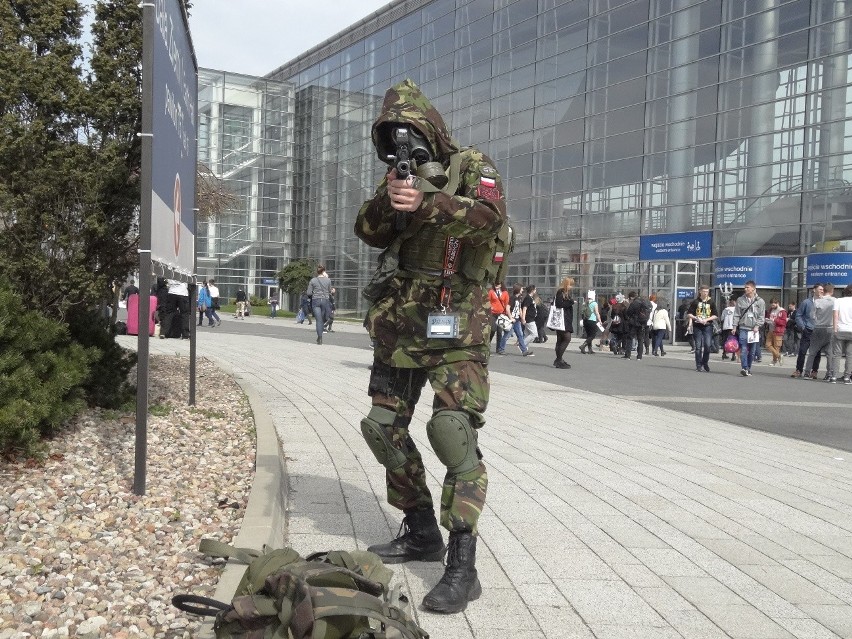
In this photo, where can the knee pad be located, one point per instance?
(374, 428)
(454, 440)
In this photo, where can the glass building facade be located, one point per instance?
(609, 120)
(245, 139)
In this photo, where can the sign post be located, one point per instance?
(169, 160)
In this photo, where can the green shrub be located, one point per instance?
(106, 384)
(41, 376)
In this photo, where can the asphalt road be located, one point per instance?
(769, 400)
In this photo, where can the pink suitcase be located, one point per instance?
(133, 314)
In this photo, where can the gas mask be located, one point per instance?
(406, 149)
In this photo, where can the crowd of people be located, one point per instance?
(819, 328)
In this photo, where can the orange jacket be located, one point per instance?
(499, 304)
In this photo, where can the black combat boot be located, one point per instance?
(460, 583)
(421, 541)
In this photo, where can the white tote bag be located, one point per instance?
(556, 319)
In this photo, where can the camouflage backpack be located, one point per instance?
(332, 595)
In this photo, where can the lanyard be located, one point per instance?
(451, 267)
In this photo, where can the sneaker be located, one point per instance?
(847, 380)
(831, 380)
(529, 354)
(698, 369)
(706, 368)
(743, 372)
(827, 377)
(319, 339)
(806, 376)
(218, 322)
(748, 372)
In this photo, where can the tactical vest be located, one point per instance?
(424, 253)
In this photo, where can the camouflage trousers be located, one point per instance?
(459, 386)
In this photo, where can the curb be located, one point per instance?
(265, 519)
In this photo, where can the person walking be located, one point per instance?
(447, 242)
(498, 297)
(776, 321)
(305, 307)
(662, 325)
(273, 307)
(821, 335)
(319, 290)
(728, 321)
(591, 317)
(805, 316)
(517, 315)
(750, 313)
(242, 303)
(564, 302)
(702, 312)
(214, 298)
(842, 328)
(791, 334)
(637, 314)
(205, 305)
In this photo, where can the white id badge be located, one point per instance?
(442, 325)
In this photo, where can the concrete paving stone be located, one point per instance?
(628, 533)
(798, 543)
(445, 625)
(491, 573)
(667, 562)
(744, 622)
(500, 608)
(664, 599)
(637, 575)
(823, 578)
(541, 595)
(838, 543)
(607, 631)
(770, 548)
(608, 602)
(505, 633)
(300, 523)
(701, 591)
(806, 629)
(306, 543)
(795, 519)
(523, 570)
(789, 585)
(765, 600)
(575, 563)
(561, 622)
(835, 563)
(692, 624)
(536, 537)
(736, 552)
(612, 552)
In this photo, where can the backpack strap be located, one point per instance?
(214, 548)
(337, 602)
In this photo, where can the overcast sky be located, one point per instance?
(257, 36)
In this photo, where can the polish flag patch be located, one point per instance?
(487, 189)
(487, 182)
(498, 256)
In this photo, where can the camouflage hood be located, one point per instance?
(405, 103)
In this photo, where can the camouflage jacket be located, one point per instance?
(474, 214)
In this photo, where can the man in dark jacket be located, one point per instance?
(637, 315)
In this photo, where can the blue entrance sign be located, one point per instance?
(834, 268)
(697, 245)
(766, 271)
(174, 158)
(686, 293)
(268, 281)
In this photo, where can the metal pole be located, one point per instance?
(142, 349)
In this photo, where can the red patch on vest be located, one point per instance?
(491, 193)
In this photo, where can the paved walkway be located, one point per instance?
(605, 518)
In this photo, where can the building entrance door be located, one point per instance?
(686, 281)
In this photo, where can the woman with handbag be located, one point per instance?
(564, 304)
(499, 299)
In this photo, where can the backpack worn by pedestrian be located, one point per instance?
(641, 312)
(333, 595)
(587, 312)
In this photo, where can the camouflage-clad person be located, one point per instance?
(446, 253)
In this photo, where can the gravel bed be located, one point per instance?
(83, 556)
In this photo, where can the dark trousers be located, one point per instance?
(176, 320)
(703, 335)
(804, 345)
(638, 333)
